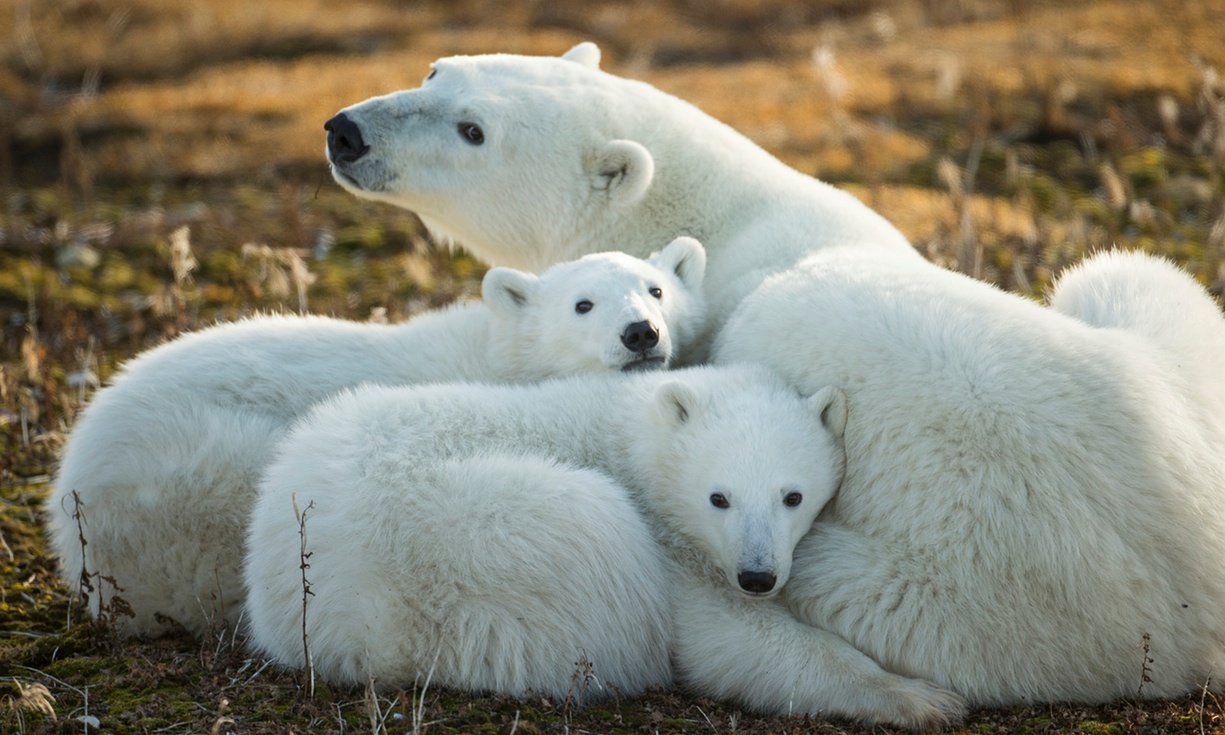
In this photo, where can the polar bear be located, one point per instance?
(526, 161)
(452, 537)
(1031, 510)
(1159, 302)
(164, 461)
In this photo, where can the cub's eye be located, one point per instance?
(583, 306)
(792, 499)
(472, 133)
(431, 74)
(719, 500)
(656, 291)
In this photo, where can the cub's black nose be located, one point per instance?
(345, 144)
(757, 582)
(640, 336)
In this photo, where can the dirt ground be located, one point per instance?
(1007, 139)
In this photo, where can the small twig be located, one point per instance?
(84, 585)
(259, 671)
(419, 701)
(584, 675)
(378, 718)
(5, 547)
(1202, 697)
(1145, 668)
(303, 556)
(83, 692)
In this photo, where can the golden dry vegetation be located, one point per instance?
(1006, 138)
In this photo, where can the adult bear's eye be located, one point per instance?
(792, 499)
(472, 133)
(656, 291)
(431, 74)
(583, 306)
(719, 500)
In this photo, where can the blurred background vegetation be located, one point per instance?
(161, 161)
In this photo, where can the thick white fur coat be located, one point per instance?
(1032, 502)
(452, 537)
(165, 460)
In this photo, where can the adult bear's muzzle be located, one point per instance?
(345, 144)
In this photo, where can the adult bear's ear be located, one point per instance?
(676, 402)
(586, 53)
(685, 257)
(623, 169)
(506, 290)
(829, 403)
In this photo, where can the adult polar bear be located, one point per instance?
(1033, 501)
(165, 460)
(611, 163)
(526, 161)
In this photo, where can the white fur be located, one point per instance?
(1027, 496)
(1162, 304)
(165, 460)
(575, 160)
(449, 534)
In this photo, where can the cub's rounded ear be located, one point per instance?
(676, 402)
(685, 257)
(829, 404)
(623, 169)
(586, 53)
(506, 290)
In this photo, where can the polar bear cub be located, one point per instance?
(164, 462)
(453, 535)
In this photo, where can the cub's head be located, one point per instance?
(741, 467)
(603, 312)
(500, 152)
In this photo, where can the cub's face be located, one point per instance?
(603, 312)
(748, 472)
(497, 152)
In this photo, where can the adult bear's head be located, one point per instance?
(505, 149)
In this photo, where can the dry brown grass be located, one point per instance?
(1007, 136)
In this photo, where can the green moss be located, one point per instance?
(79, 668)
(1093, 727)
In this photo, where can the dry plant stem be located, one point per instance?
(970, 259)
(107, 609)
(304, 555)
(1203, 696)
(1145, 669)
(222, 719)
(84, 586)
(378, 717)
(584, 675)
(419, 702)
(34, 697)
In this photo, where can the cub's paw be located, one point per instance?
(917, 704)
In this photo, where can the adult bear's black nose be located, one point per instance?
(640, 336)
(345, 144)
(756, 582)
